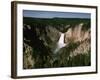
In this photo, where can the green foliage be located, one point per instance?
(79, 60)
(58, 23)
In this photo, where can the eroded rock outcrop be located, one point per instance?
(28, 59)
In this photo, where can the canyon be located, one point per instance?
(48, 44)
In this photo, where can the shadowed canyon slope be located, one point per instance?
(56, 42)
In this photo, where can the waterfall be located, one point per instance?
(60, 43)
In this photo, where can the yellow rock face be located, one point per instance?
(76, 34)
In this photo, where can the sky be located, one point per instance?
(52, 14)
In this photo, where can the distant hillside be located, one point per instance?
(58, 23)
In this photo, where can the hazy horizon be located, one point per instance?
(54, 14)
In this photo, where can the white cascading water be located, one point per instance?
(60, 43)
